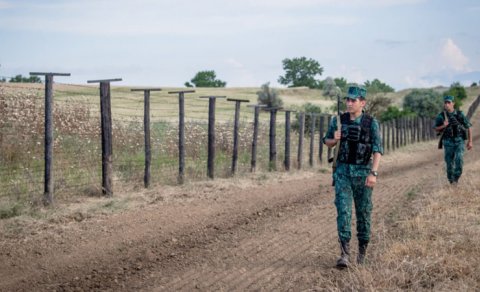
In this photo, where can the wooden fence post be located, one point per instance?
(286, 161)
(211, 135)
(146, 129)
(256, 108)
(48, 152)
(312, 138)
(301, 129)
(106, 123)
(388, 123)
(181, 133)
(320, 144)
(235, 131)
(272, 135)
(419, 129)
(382, 126)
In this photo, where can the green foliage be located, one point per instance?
(269, 96)
(459, 92)
(423, 102)
(341, 83)
(205, 79)
(20, 79)
(330, 88)
(377, 86)
(377, 104)
(3, 80)
(307, 108)
(474, 84)
(301, 72)
(393, 113)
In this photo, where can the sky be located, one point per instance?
(404, 43)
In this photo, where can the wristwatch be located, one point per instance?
(373, 172)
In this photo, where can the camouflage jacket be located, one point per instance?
(462, 120)
(354, 170)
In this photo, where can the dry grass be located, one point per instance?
(433, 245)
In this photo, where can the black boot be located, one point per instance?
(343, 262)
(362, 251)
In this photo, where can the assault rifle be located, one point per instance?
(453, 121)
(440, 141)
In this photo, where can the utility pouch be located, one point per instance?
(354, 133)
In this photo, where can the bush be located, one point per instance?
(269, 96)
(206, 79)
(307, 108)
(19, 79)
(423, 102)
(459, 92)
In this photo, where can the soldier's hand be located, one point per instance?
(445, 123)
(337, 135)
(469, 145)
(371, 181)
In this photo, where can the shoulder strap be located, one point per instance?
(367, 121)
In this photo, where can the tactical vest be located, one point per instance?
(458, 130)
(359, 149)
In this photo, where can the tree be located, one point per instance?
(459, 92)
(330, 88)
(474, 84)
(377, 104)
(19, 79)
(301, 72)
(269, 96)
(423, 102)
(206, 79)
(377, 86)
(341, 83)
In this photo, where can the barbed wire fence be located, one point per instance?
(77, 145)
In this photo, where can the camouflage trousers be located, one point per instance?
(454, 159)
(347, 190)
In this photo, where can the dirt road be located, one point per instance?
(246, 234)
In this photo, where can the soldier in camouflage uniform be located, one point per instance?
(455, 130)
(356, 172)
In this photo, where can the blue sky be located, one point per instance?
(405, 43)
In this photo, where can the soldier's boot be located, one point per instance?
(343, 261)
(362, 251)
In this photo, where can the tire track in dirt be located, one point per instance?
(290, 256)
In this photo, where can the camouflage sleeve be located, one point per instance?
(466, 123)
(377, 138)
(439, 120)
(331, 130)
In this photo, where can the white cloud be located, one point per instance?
(453, 57)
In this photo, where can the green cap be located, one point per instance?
(356, 91)
(448, 98)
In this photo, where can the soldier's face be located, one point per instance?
(449, 106)
(355, 106)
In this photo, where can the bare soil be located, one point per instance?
(272, 234)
